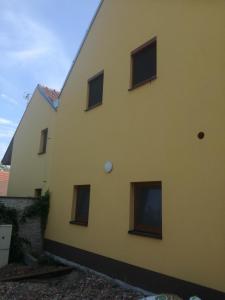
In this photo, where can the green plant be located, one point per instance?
(39, 209)
(10, 216)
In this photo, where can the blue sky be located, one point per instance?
(38, 41)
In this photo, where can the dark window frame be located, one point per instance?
(133, 53)
(141, 229)
(43, 141)
(90, 80)
(76, 218)
(37, 193)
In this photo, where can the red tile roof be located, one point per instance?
(52, 94)
(4, 178)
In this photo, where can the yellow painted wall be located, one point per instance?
(149, 134)
(29, 170)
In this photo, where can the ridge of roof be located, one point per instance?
(81, 46)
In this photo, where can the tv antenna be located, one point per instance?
(27, 96)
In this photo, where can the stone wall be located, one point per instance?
(31, 230)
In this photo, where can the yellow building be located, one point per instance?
(137, 177)
(30, 150)
(168, 132)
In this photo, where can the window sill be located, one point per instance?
(149, 80)
(147, 234)
(79, 223)
(93, 106)
(40, 153)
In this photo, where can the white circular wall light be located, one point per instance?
(108, 166)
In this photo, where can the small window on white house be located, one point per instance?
(81, 201)
(147, 208)
(95, 90)
(143, 63)
(43, 141)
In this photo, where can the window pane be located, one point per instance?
(95, 91)
(82, 207)
(43, 142)
(148, 206)
(45, 135)
(144, 64)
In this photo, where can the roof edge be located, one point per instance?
(81, 46)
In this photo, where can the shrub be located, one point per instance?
(10, 216)
(39, 208)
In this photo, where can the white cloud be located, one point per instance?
(26, 55)
(29, 44)
(7, 128)
(6, 133)
(4, 121)
(9, 99)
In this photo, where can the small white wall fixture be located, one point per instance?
(108, 166)
(5, 239)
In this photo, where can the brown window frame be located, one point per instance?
(142, 229)
(76, 218)
(43, 141)
(89, 107)
(133, 53)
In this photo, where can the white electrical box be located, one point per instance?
(5, 239)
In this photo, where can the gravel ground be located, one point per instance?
(76, 285)
(13, 270)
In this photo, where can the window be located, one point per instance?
(147, 208)
(81, 205)
(143, 64)
(95, 90)
(43, 142)
(37, 193)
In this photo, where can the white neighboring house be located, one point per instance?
(29, 152)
